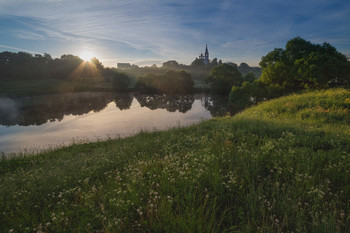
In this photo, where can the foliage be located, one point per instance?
(254, 92)
(223, 77)
(198, 63)
(171, 64)
(303, 65)
(282, 166)
(120, 81)
(250, 77)
(25, 66)
(170, 82)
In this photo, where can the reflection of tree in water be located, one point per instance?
(219, 105)
(38, 110)
(171, 103)
(123, 100)
(41, 109)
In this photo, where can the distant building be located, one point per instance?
(205, 57)
(123, 66)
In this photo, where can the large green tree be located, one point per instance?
(305, 65)
(223, 77)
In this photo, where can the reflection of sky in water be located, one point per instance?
(109, 122)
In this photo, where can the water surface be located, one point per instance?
(35, 123)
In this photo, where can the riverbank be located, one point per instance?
(283, 165)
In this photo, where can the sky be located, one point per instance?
(146, 32)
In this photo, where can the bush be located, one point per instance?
(253, 92)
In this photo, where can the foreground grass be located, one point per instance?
(282, 166)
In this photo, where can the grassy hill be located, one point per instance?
(281, 166)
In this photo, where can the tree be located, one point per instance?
(305, 65)
(253, 92)
(171, 64)
(197, 63)
(97, 63)
(250, 77)
(170, 82)
(223, 77)
(214, 62)
(120, 81)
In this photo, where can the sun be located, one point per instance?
(87, 55)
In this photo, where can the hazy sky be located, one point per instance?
(144, 32)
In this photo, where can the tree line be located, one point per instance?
(300, 66)
(170, 82)
(26, 66)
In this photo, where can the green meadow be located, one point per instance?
(280, 166)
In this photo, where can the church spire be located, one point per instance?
(205, 57)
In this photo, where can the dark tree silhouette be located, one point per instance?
(223, 77)
(120, 81)
(170, 82)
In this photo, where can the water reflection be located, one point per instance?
(123, 100)
(44, 121)
(218, 105)
(171, 103)
(41, 109)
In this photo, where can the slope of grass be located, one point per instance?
(282, 166)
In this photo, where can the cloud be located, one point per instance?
(158, 29)
(29, 35)
(18, 49)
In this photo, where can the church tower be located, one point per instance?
(205, 57)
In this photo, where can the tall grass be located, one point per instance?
(282, 166)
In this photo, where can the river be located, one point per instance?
(32, 124)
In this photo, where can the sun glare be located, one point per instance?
(87, 55)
